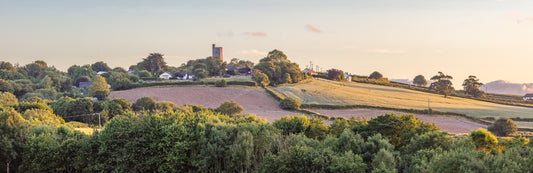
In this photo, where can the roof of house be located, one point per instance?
(85, 84)
(529, 95)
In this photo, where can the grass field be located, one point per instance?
(322, 91)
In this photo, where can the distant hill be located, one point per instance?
(506, 87)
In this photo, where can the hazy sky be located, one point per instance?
(492, 39)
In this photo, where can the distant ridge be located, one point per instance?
(506, 87)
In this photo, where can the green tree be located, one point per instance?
(12, 137)
(7, 66)
(384, 161)
(100, 66)
(99, 88)
(276, 64)
(420, 80)
(221, 83)
(503, 127)
(286, 78)
(375, 75)
(164, 106)
(7, 99)
(289, 103)
(442, 84)
(260, 78)
(335, 74)
(230, 108)
(6, 87)
(45, 83)
(77, 71)
(144, 103)
(292, 124)
(154, 62)
(22, 86)
(471, 86)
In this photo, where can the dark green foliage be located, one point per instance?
(275, 65)
(144, 103)
(420, 80)
(286, 78)
(6, 87)
(375, 75)
(221, 83)
(471, 86)
(503, 127)
(100, 66)
(118, 80)
(230, 108)
(289, 103)
(22, 86)
(80, 79)
(260, 78)
(76, 71)
(66, 106)
(23, 106)
(335, 74)
(442, 84)
(154, 62)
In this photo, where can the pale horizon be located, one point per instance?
(490, 39)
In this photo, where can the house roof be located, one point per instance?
(529, 95)
(85, 84)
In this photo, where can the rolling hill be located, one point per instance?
(322, 91)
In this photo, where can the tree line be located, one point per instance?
(191, 138)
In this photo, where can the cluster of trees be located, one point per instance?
(197, 139)
(442, 84)
(278, 70)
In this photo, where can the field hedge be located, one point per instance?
(188, 83)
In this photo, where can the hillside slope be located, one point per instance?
(322, 91)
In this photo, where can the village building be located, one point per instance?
(528, 96)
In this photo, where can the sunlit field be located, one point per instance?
(322, 91)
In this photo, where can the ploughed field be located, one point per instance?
(322, 91)
(253, 100)
(256, 101)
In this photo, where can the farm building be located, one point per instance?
(167, 75)
(528, 96)
(310, 71)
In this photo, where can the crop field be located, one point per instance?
(253, 100)
(322, 91)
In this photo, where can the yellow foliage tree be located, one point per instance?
(99, 88)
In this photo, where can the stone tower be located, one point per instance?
(217, 52)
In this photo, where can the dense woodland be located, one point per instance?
(40, 107)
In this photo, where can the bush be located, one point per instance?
(230, 108)
(144, 103)
(292, 124)
(164, 106)
(375, 75)
(221, 83)
(503, 127)
(290, 103)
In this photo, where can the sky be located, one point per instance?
(491, 39)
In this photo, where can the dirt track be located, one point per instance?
(450, 124)
(258, 103)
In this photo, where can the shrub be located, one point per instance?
(483, 140)
(375, 75)
(144, 103)
(221, 83)
(230, 108)
(6, 86)
(164, 106)
(292, 124)
(289, 103)
(503, 127)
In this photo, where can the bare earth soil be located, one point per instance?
(252, 100)
(256, 102)
(450, 124)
